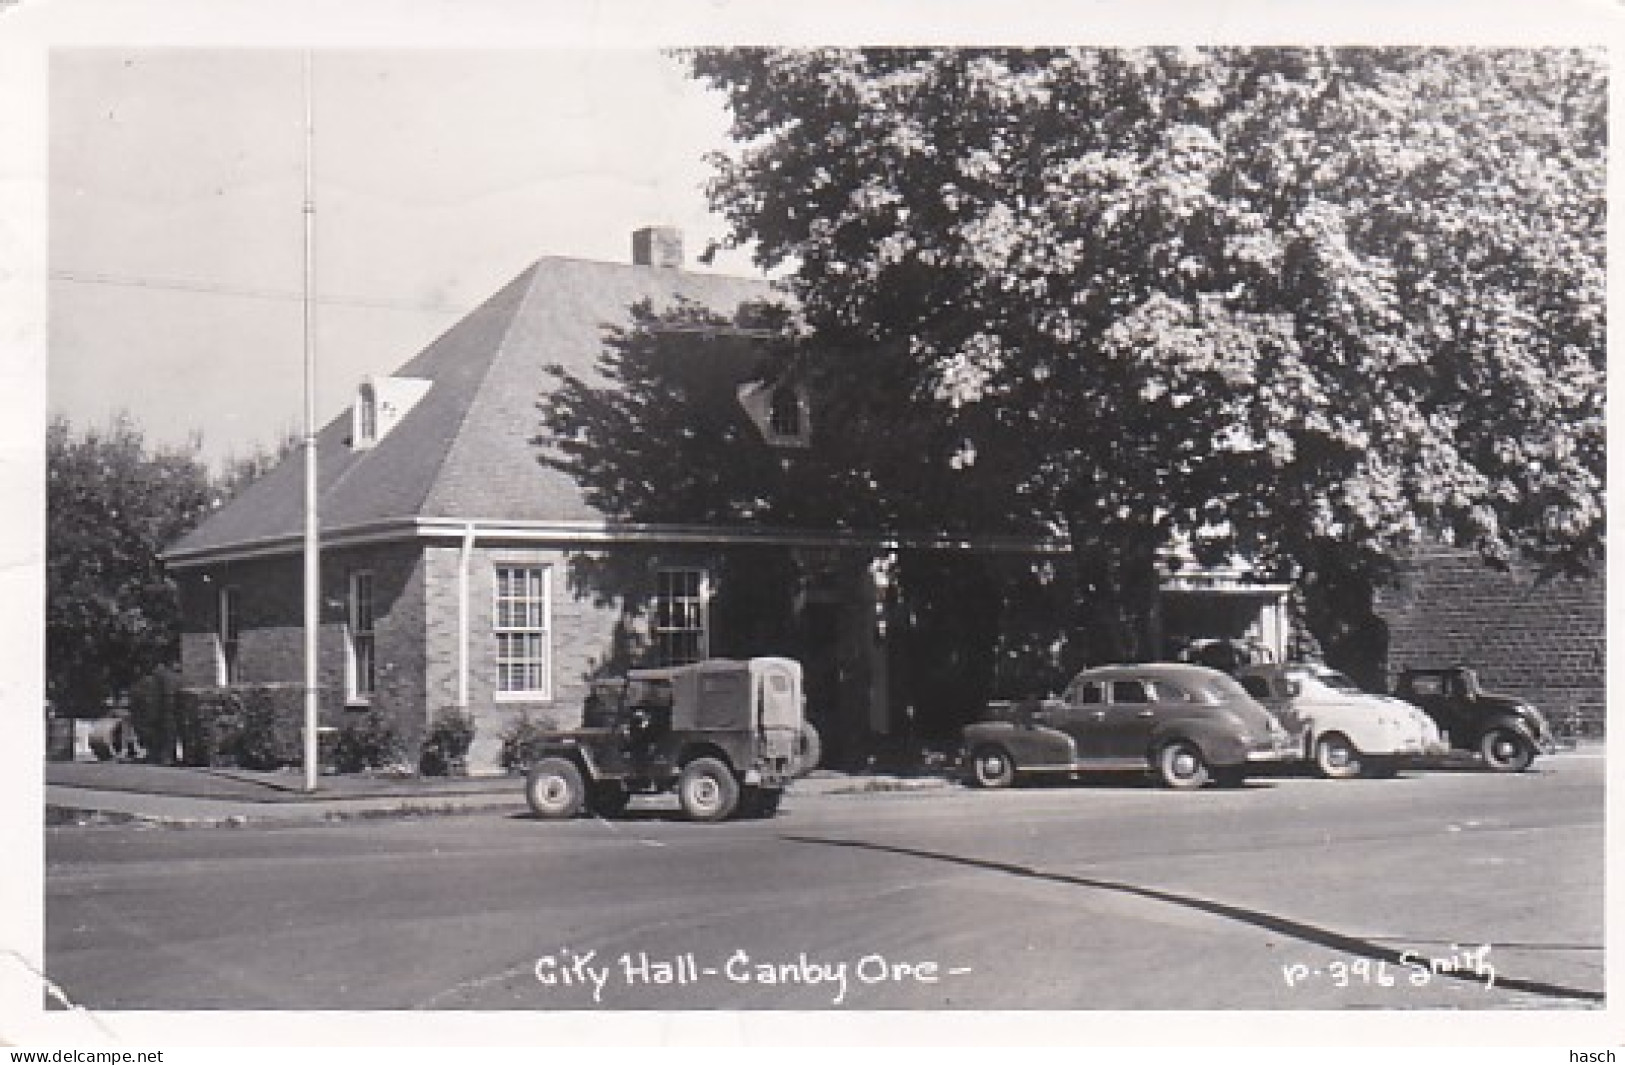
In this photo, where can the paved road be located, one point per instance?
(1291, 893)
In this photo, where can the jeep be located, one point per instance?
(1505, 731)
(727, 735)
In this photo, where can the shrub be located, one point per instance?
(156, 714)
(445, 748)
(521, 739)
(370, 743)
(255, 726)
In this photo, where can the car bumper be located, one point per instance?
(1280, 748)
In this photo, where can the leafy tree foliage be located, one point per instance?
(1308, 306)
(112, 505)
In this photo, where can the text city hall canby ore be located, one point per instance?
(581, 969)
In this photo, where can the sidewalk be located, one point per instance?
(79, 793)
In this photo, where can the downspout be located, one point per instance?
(465, 565)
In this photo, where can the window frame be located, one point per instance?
(663, 636)
(228, 636)
(535, 604)
(360, 665)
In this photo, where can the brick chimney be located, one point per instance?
(660, 246)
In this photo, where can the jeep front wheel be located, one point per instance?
(1505, 750)
(707, 790)
(554, 789)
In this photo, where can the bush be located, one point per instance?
(156, 714)
(521, 739)
(445, 748)
(255, 726)
(370, 743)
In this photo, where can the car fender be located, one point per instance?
(1368, 735)
(1510, 721)
(1220, 744)
(573, 751)
(1029, 745)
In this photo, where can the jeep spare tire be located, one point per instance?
(554, 789)
(707, 790)
(809, 749)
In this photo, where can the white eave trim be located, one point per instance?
(596, 532)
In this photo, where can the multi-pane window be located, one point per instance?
(784, 412)
(363, 671)
(680, 616)
(522, 631)
(227, 638)
(367, 431)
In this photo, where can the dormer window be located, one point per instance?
(380, 404)
(784, 412)
(779, 411)
(366, 433)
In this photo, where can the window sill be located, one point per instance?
(524, 697)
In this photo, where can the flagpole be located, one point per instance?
(312, 552)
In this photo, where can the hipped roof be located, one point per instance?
(466, 451)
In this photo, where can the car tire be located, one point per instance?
(1180, 766)
(809, 749)
(1336, 757)
(992, 767)
(609, 799)
(1506, 750)
(554, 789)
(707, 790)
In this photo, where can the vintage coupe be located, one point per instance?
(1188, 724)
(1505, 731)
(1344, 731)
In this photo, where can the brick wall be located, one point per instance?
(271, 627)
(1542, 640)
(583, 641)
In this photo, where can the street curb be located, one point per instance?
(58, 816)
(71, 815)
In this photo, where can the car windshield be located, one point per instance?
(1326, 680)
(1337, 681)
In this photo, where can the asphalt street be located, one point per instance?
(1439, 889)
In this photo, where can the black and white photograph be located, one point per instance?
(681, 525)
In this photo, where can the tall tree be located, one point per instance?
(1303, 305)
(112, 505)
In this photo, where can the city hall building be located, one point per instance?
(460, 572)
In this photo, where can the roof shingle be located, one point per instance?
(466, 451)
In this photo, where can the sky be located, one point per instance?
(176, 184)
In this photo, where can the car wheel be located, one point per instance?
(707, 790)
(609, 799)
(554, 789)
(1506, 750)
(992, 767)
(1180, 765)
(1336, 758)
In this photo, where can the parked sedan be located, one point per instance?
(1187, 724)
(1344, 731)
